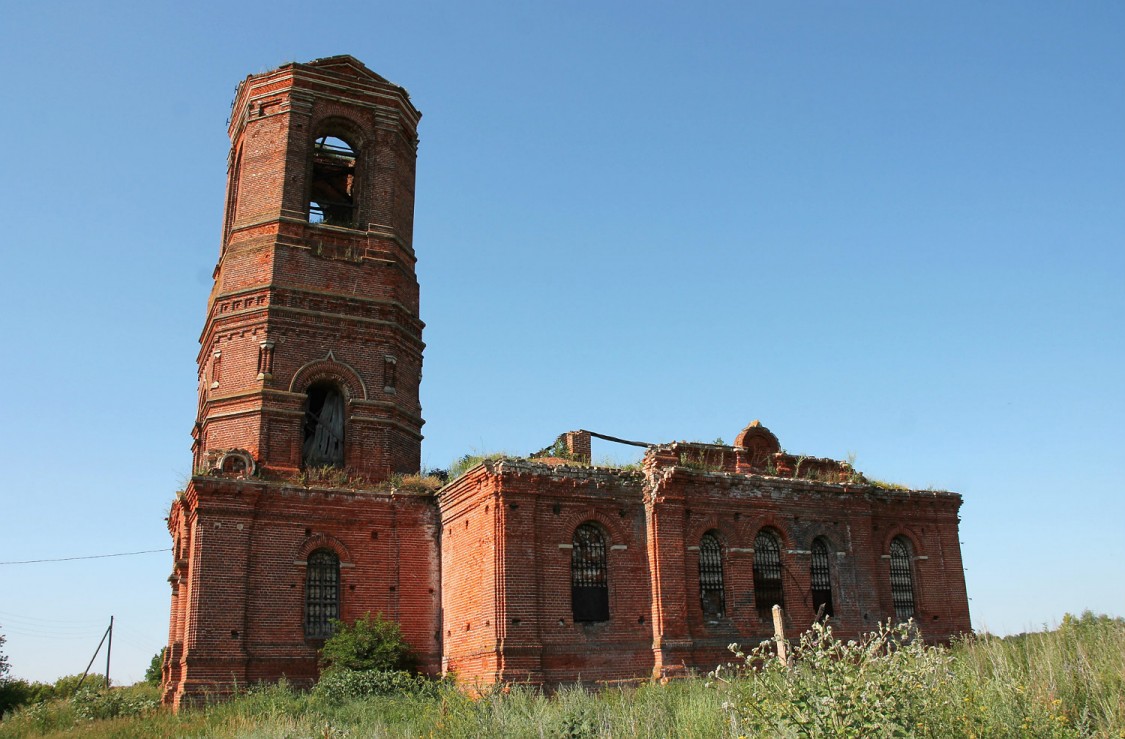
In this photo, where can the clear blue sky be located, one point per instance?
(891, 229)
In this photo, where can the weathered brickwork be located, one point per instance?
(547, 570)
(522, 515)
(312, 340)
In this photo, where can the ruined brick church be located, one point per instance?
(545, 569)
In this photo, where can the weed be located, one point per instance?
(883, 484)
(469, 461)
(701, 460)
(1064, 683)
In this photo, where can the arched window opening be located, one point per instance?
(902, 578)
(767, 573)
(322, 593)
(589, 584)
(323, 431)
(332, 194)
(711, 576)
(821, 577)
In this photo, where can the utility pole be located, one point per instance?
(108, 633)
(108, 652)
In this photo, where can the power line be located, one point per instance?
(92, 556)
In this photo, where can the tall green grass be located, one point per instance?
(1068, 682)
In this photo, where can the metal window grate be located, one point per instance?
(821, 577)
(589, 585)
(322, 594)
(711, 576)
(767, 573)
(902, 579)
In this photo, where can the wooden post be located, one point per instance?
(779, 635)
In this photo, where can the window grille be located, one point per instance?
(767, 573)
(589, 586)
(322, 593)
(902, 579)
(711, 576)
(821, 579)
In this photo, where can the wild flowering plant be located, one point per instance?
(886, 684)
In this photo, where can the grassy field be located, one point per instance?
(1069, 682)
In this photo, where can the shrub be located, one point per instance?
(339, 685)
(885, 684)
(371, 643)
(67, 685)
(13, 694)
(113, 703)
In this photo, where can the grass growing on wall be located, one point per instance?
(1068, 682)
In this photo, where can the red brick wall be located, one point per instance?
(470, 606)
(243, 620)
(510, 567)
(332, 302)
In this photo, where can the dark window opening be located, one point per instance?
(589, 585)
(821, 577)
(332, 194)
(711, 576)
(322, 594)
(902, 579)
(323, 432)
(767, 574)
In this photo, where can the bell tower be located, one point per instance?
(309, 365)
(311, 354)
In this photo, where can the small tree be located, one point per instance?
(4, 667)
(371, 643)
(10, 697)
(154, 673)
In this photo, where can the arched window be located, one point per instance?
(821, 578)
(767, 573)
(902, 578)
(711, 576)
(322, 593)
(323, 430)
(589, 586)
(332, 191)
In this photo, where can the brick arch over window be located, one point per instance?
(589, 573)
(713, 524)
(611, 524)
(750, 526)
(768, 578)
(329, 369)
(322, 541)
